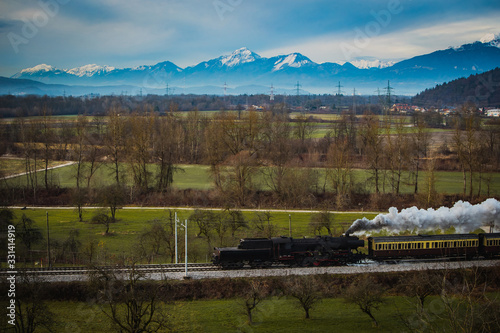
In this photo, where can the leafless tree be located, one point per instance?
(130, 306)
(373, 148)
(322, 220)
(47, 139)
(114, 141)
(366, 294)
(139, 144)
(32, 312)
(263, 224)
(305, 291)
(253, 296)
(419, 148)
(397, 153)
(467, 144)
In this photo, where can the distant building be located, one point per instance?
(493, 113)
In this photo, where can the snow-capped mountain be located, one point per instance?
(294, 60)
(491, 39)
(371, 63)
(238, 57)
(90, 70)
(246, 68)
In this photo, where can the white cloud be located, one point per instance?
(396, 45)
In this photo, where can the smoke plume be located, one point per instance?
(463, 216)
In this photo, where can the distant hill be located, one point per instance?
(481, 89)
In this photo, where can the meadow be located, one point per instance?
(197, 177)
(123, 238)
(276, 315)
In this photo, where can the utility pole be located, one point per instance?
(176, 255)
(48, 241)
(186, 248)
(289, 225)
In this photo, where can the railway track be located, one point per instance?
(208, 270)
(82, 270)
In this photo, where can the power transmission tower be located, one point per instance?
(271, 97)
(298, 86)
(168, 90)
(388, 96)
(354, 102)
(339, 97)
(225, 92)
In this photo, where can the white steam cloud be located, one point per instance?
(463, 216)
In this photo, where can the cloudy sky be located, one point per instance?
(128, 33)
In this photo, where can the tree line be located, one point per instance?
(248, 150)
(27, 106)
(481, 89)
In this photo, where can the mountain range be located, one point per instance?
(244, 71)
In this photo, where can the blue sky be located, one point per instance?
(128, 33)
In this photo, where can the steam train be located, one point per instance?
(332, 251)
(264, 252)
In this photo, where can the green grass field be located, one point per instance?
(132, 222)
(275, 315)
(198, 177)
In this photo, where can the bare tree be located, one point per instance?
(156, 240)
(322, 220)
(339, 171)
(366, 294)
(263, 224)
(47, 138)
(32, 312)
(397, 152)
(419, 147)
(237, 179)
(28, 233)
(114, 141)
(235, 220)
(305, 291)
(253, 296)
(78, 152)
(373, 148)
(138, 145)
(102, 218)
(467, 144)
(166, 141)
(112, 197)
(129, 305)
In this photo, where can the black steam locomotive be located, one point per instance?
(331, 251)
(264, 252)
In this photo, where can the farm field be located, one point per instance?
(198, 177)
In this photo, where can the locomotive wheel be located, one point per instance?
(307, 262)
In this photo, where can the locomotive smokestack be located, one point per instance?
(463, 216)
